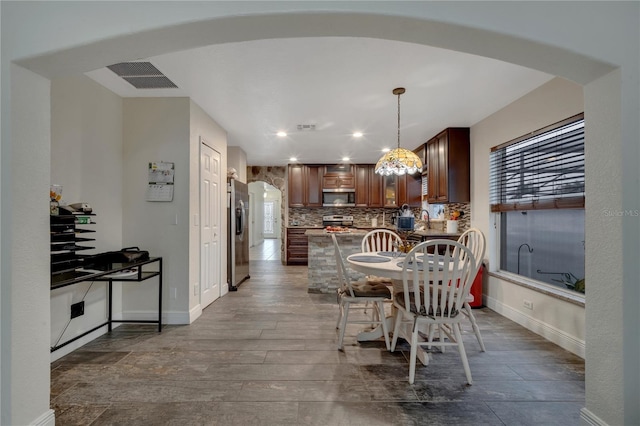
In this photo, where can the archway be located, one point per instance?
(274, 176)
(94, 55)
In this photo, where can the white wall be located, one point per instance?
(86, 159)
(157, 129)
(559, 321)
(609, 234)
(531, 34)
(203, 126)
(25, 286)
(237, 159)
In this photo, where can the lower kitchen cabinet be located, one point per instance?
(297, 246)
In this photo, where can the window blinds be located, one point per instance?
(543, 170)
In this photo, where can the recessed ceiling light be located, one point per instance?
(357, 135)
(345, 158)
(386, 149)
(282, 134)
(293, 159)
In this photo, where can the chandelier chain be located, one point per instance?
(398, 120)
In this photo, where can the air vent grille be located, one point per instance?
(142, 75)
(306, 127)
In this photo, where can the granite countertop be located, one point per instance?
(436, 233)
(321, 233)
(433, 233)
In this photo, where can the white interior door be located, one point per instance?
(210, 207)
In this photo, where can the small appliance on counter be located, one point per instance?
(405, 221)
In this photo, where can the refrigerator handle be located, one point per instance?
(240, 215)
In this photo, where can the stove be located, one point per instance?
(337, 220)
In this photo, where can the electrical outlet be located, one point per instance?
(174, 292)
(527, 304)
(77, 309)
(196, 289)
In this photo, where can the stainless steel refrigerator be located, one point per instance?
(238, 246)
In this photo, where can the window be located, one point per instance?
(537, 191)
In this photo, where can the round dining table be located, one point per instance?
(384, 265)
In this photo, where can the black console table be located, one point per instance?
(111, 272)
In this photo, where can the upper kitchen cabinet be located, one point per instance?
(339, 176)
(305, 185)
(362, 177)
(421, 152)
(369, 186)
(448, 160)
(410, 190)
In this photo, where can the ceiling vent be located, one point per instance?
(306, 127)
(142, 75)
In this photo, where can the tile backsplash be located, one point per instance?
(309, 217)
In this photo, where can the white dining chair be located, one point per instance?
(474, 240)
(380, 240)
(353, 295)
(429, 301)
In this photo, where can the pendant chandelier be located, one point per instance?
(398, 161)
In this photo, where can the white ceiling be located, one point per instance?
(341, 85)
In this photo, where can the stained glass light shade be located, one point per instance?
(398, 161)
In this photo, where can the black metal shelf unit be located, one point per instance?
(64, 236)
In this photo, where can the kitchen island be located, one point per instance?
(323, 275)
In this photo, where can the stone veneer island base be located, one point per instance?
(323, 273)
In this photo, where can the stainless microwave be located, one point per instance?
(338, 198)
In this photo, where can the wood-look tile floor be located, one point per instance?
(266, 355)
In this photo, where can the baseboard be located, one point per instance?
(67, 349)
(195, 313)
(591, 419)
(46, 419)
(541, 328)
(167, 317)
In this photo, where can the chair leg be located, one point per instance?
(340, 308)
(383, 323)
(396, 330)
(463, 354)
(413, 355)
(474, 325)
(343, 326)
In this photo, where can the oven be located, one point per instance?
(337, 220)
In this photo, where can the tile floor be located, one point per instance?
(266, 355)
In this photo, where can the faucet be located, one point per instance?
(428, 218)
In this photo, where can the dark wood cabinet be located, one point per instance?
(314, 186)
(362, 175)
(376, 188)
(410, 190)
(421, 152)
(448, 167)
(390, 191)
(297, 193)
(297, 246)
(338, 176)
(305, 185)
